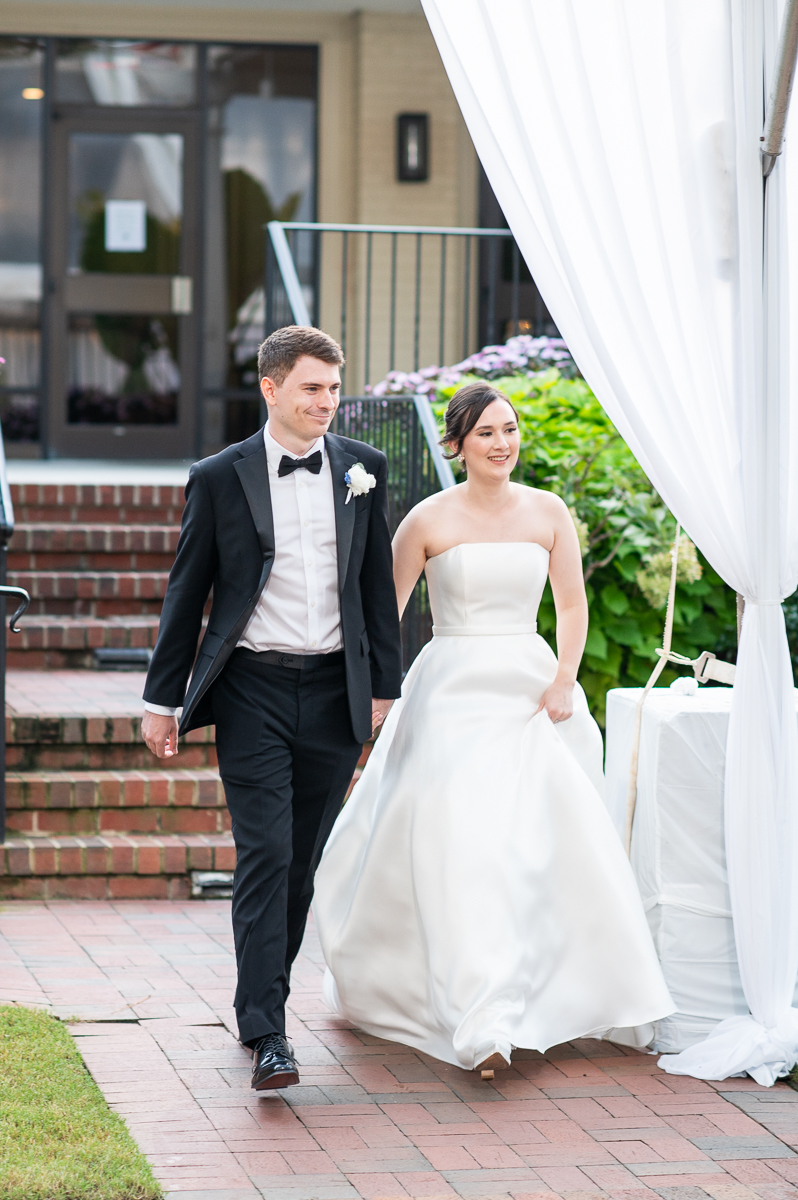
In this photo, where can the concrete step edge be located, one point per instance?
(99, 495)
(118, 854)
(113, 791)
(68, 729)
(51, 632)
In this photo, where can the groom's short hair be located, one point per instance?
(282, 350)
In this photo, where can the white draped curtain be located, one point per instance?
(622, 141)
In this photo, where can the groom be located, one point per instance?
(300, 661)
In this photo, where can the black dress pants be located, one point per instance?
(286, 756)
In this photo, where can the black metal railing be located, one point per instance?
(396, 297)
(6, 530)
(393, 426)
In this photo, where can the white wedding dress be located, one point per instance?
(474, 894)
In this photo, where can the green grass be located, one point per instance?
(58, 1138)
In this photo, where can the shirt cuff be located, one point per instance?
(161, 710)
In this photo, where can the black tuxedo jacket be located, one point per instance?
(227, 543)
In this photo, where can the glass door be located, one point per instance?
(123, 248)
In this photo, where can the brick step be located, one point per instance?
(58, 642)
(99, 594)
(50, 803)
(90, 561)
(96, 743)
(60, 547)
(157, 539)
(100, 610)
(110, 867)
(97, 505)
(91, 585)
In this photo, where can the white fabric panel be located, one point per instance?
(622, 142)
(678, 854)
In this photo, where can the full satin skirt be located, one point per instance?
(474, 895)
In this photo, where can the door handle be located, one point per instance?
(182, 294)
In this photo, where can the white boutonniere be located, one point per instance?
(358, 481)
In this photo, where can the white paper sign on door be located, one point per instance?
(126, 225)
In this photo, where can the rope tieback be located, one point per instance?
(705, 667)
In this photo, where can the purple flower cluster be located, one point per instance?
(519, 355)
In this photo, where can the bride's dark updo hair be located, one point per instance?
(465, 408)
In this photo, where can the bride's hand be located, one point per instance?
(558, 701)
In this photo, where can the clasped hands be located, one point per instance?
(160, 732)
(379, 711)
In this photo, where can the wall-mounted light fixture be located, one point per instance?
(412, 147)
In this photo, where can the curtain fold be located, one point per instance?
(622, 142)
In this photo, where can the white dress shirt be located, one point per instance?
(299, 609)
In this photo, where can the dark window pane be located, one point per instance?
(126, 74)
(125, 202)
(20, 270)
(275, 71)
(122, 369)
(242, 420)
(261, 166)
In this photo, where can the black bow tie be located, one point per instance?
(312, 463)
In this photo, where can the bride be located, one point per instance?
(474, 895)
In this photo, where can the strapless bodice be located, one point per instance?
(484, 588)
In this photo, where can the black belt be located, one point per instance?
(299, 662)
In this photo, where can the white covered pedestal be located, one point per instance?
(678, 848)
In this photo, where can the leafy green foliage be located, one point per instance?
(569, 446)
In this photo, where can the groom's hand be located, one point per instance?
(160, 734)
(379, 711)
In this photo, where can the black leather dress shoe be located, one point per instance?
(273, 1063)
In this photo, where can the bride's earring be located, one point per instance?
(461, 458)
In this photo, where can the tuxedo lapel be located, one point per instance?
(253, 474)
(340, 462)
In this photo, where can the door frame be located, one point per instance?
(65, 440)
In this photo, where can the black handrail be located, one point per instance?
(8, 590)
(6, 531)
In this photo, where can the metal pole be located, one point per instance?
(429, 427)
(199, 258)
(467, 295)
(492, 270)
(48, 282)
(442, 328)
(268, 289)
(772, 138)
(392, 349)
(417, 310)
(344, 291)
(516, 282)
(367, 364)
(285, 261)
(3, 565)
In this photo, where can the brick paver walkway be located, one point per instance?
(151, 984)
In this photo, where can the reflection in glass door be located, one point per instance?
(123, 330)
(125, 212)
